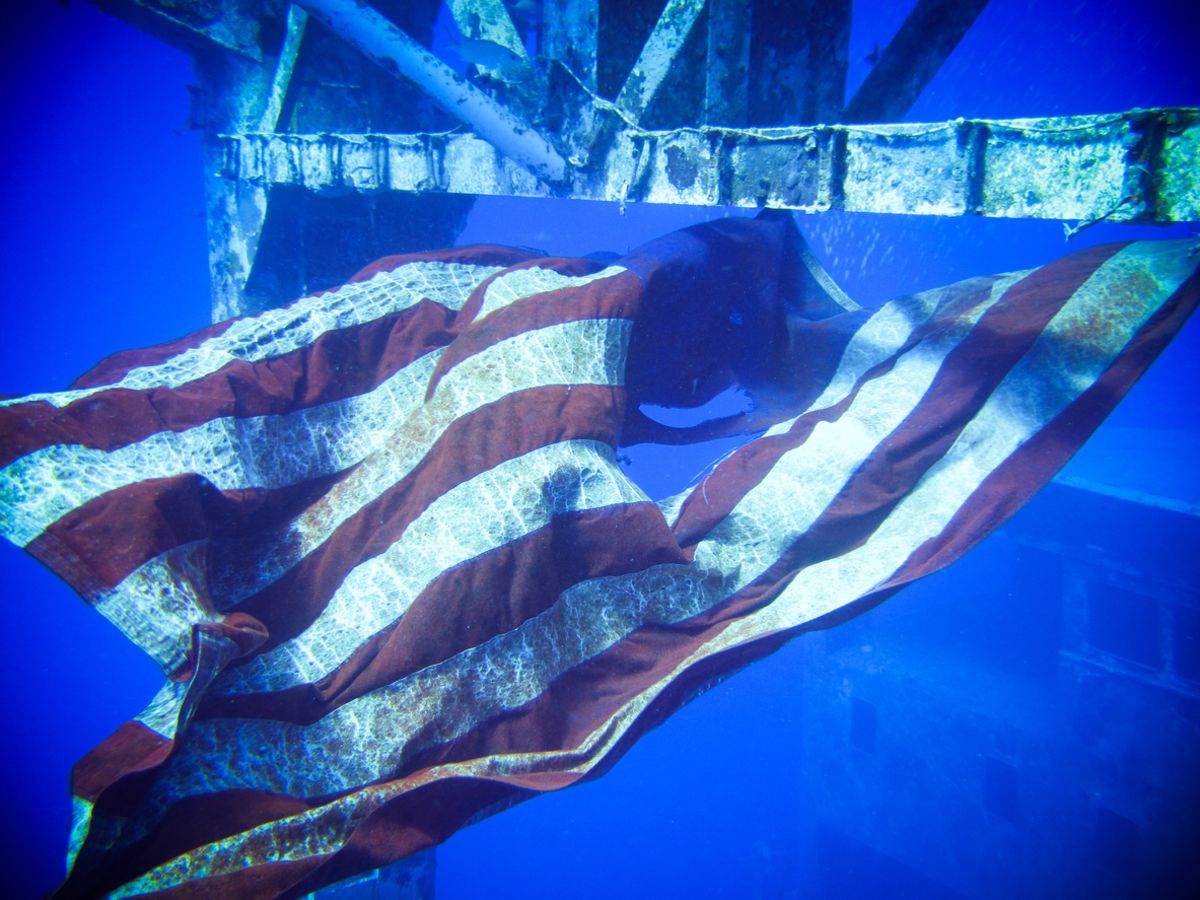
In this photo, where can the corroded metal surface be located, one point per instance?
(1134, 166)
(667, 101)
(726, 98)
(374, 35)
(570, 36)
(335, 163)
(929, 34)
(233, 25)
(657, 56)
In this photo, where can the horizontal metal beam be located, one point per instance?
(219, 24)
(1135, 166)
(336, 163)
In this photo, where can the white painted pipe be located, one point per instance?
(374, 35)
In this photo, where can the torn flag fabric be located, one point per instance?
(382, 547)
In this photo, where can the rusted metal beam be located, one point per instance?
(297, 22)
(659, 52)
(727, 76)
(220, 25)
(931, 31)
(383, 42)
(1135, 166)
(232, 96)
(798, 61)
(459, 163)
(570, 32)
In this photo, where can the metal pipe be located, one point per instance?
(383, 42)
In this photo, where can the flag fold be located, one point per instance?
(382, 546)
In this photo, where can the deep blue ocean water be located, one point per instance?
(103, 244)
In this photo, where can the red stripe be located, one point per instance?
(469, 604)
(724, 487)
(94, 548)
(337, 365)
(115, 367)
(510, 427)
(471, 254)
(1032, 466)
(131, 748)
(615, 297)
(968, 374)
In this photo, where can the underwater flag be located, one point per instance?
(382, 546)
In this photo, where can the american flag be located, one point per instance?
(382, 545)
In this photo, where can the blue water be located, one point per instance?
(968, 750)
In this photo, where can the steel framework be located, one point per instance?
(334, 133)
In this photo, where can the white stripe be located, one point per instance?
(384, 721)
(81, 821)
(232, 453)
(162, 715)
(514, 668)
(882, 335)
(877, 339)
(157, 606)
(157, 611)
(1068, 358)
(495, 508)
(277, 332)
(174, 704)
(518, 284)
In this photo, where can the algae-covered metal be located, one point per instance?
(1084, 168)
(330, 116)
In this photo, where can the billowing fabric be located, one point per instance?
(382, 547)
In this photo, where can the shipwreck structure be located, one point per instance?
(329, 123)
(338, 131)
